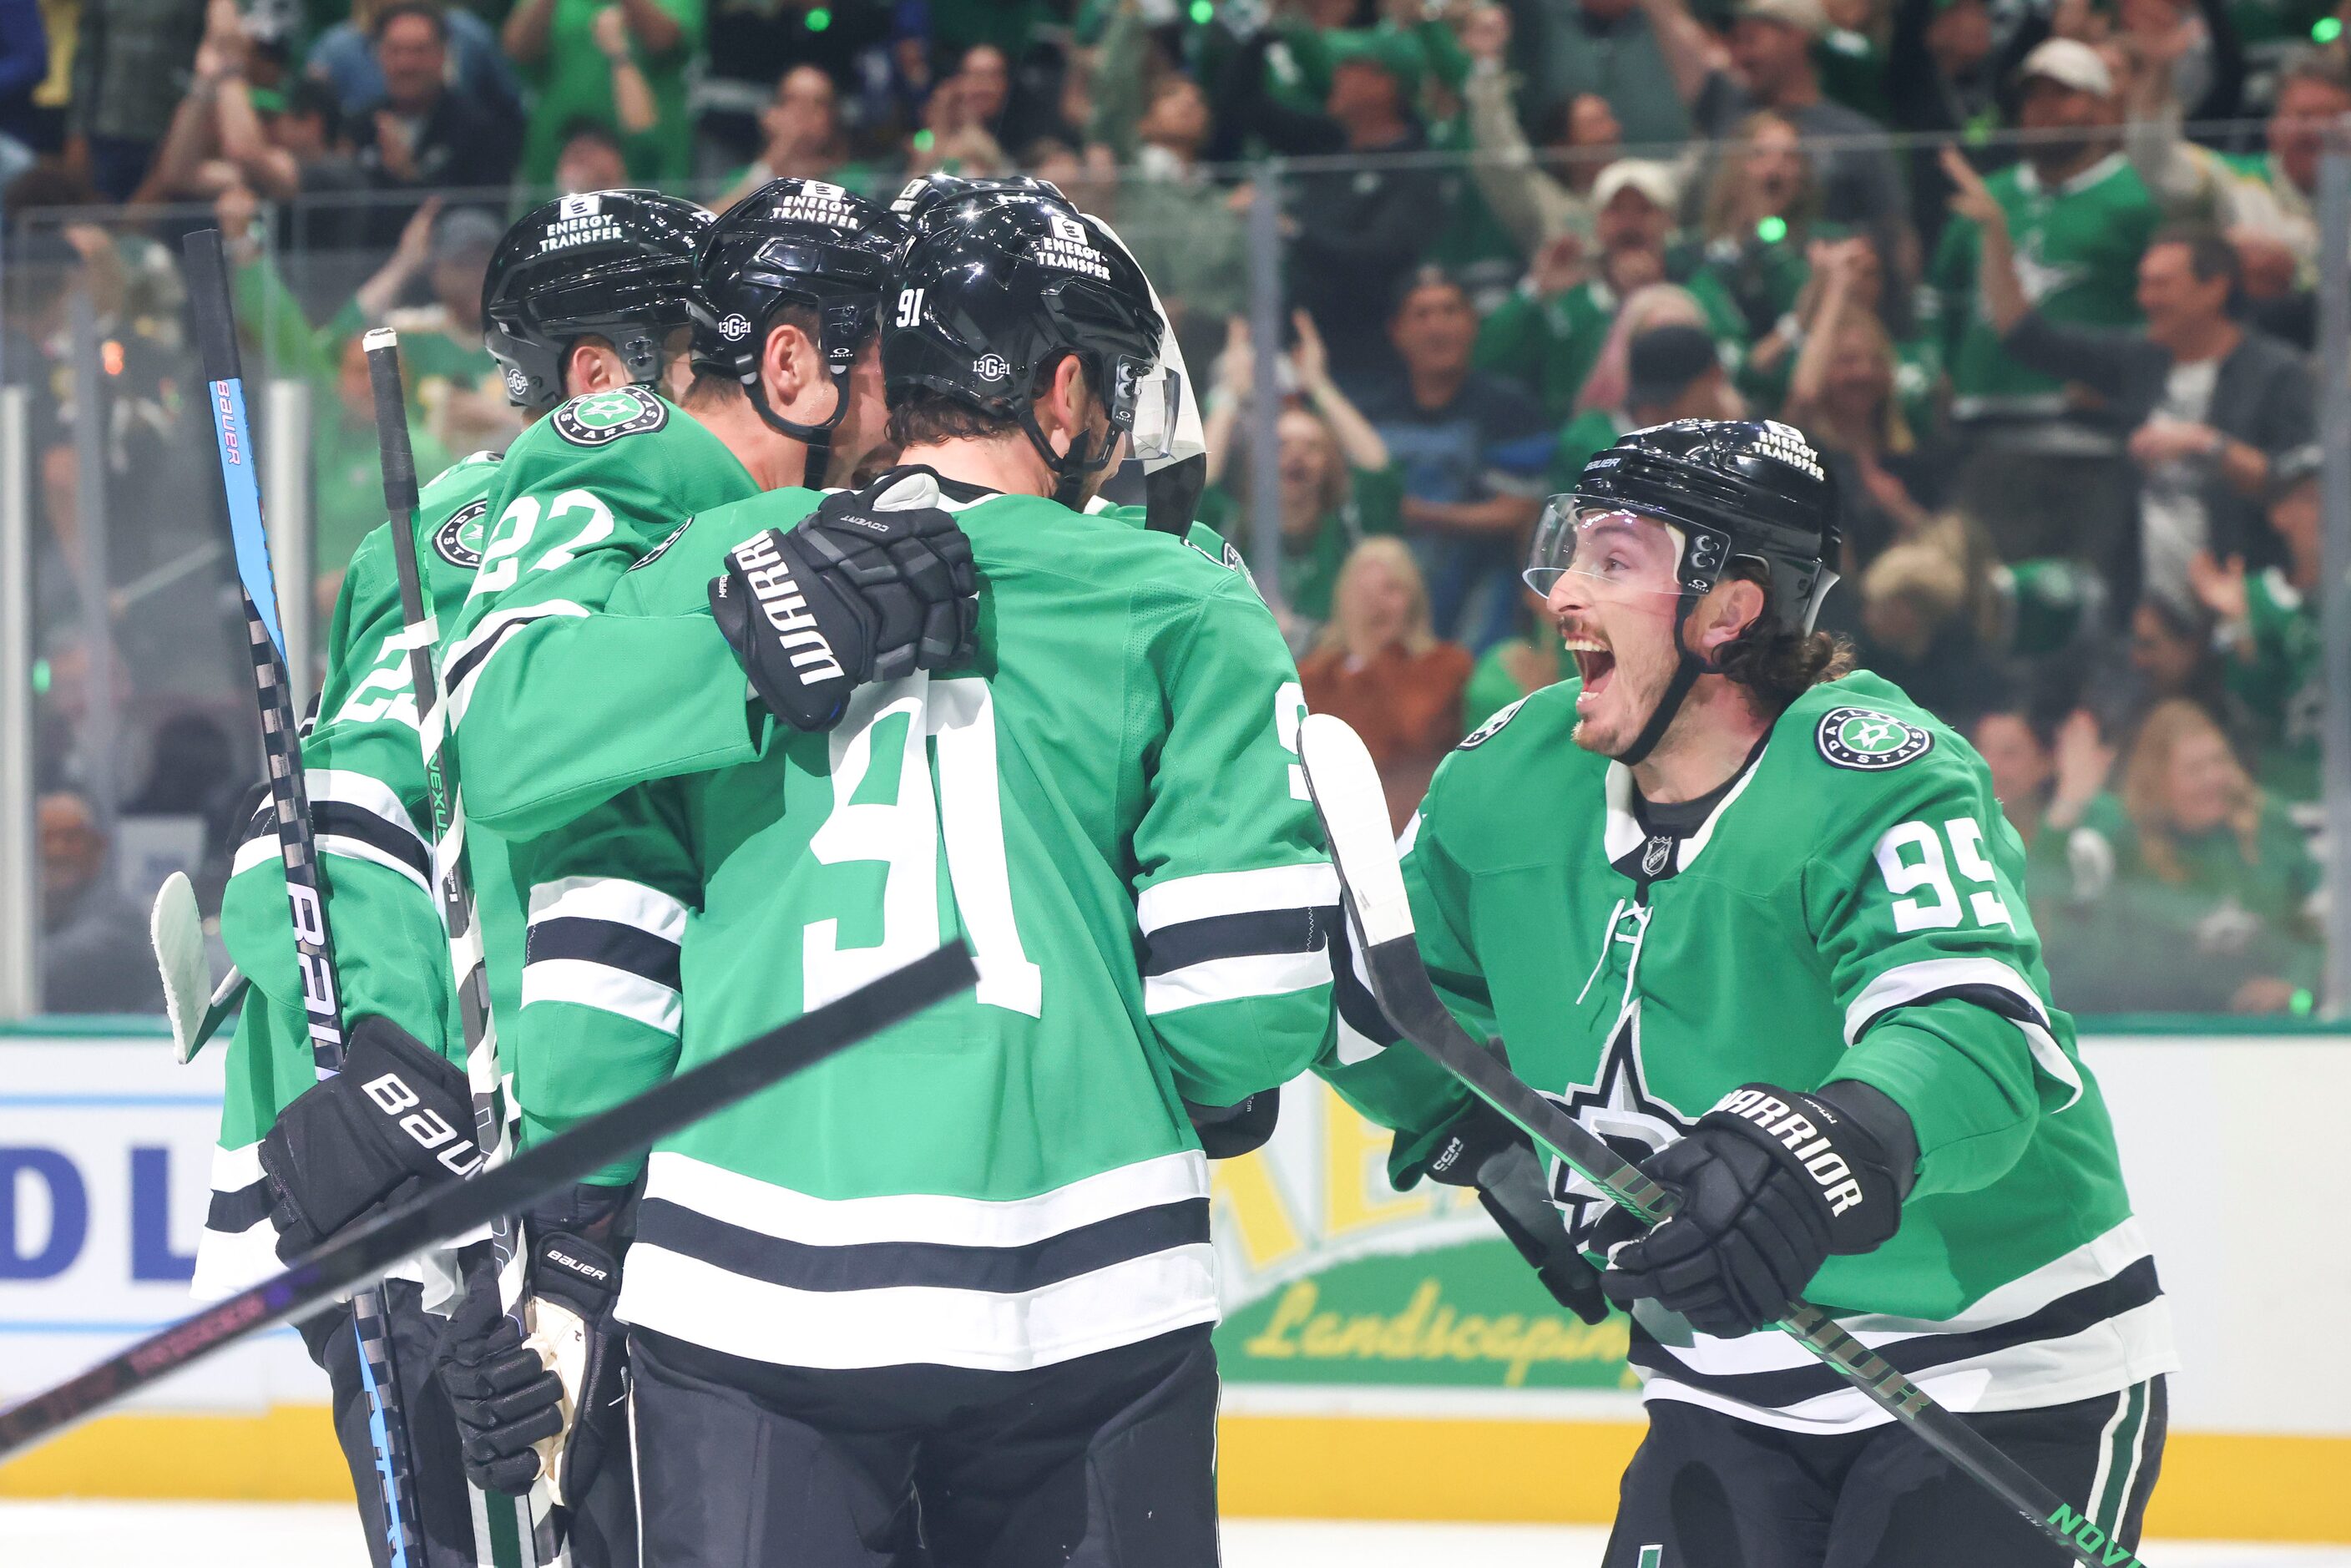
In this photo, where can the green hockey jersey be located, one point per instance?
(555, 706)
(369, 808)
(1853, 907)
(1107, 805)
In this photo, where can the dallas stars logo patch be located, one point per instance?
(458, 540)
(1617, 1108)
(601, 418)
(1870, 741)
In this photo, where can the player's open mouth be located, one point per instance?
(1595, 663)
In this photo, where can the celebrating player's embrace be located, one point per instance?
(735, 743)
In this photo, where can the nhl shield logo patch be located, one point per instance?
(458, 540)
(1870, 741)
(601, 418)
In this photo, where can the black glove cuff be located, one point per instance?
(1476, 1136)
(1227, 1132)
(1833, 1157)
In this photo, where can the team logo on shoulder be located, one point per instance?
(601, 418)
(459, 539)
(1493, 727)
(1871, 741)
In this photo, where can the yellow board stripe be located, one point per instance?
(2214, 1486)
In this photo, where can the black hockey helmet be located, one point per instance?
(1736, 489)
(993, 291)
(923, 199)
(793, 242)
(612, 264)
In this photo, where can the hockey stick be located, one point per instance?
(215, 327)
(538, 1526)
(194, 1006)
(455, 1208)
(1346, 790)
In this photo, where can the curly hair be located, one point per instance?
(1775, 662)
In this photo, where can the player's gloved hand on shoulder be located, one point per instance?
(396, 1120)
(1483, 1149)
(874, 584)
(1772, 1183)
(548, 1402)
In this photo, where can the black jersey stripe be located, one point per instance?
(2136, 1286)
(341, 819)
(469, 660)
(238, 1211)
(1357, 1007)
(614, 944)
(1996, 999)
(882, 1265)
(1246, 934)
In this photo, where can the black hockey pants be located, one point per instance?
(603, 1534)
(1106, 1461)
(1708, 1491)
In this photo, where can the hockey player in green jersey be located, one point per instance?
(622, 290)
(1723, 900)
(952, 1292)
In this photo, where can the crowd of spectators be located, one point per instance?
(2036, 276)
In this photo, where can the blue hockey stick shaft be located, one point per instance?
(215, 320)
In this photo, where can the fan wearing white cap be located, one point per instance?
(1548, 333)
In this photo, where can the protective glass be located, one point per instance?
(1595, 543)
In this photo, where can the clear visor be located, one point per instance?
(1153, 398)
(1612, 552)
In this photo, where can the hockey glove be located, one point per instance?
(1227, 1131)
(875, 584)
(1772, 1183)
(393, 1122)
(1484, 1150)
(548, 1402)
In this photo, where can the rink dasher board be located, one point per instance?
(111, 1137)
(106, 1152)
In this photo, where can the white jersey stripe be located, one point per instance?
(1204, 897)
(1234, 978)
(788, 1215)
(590, 985)
(483, 637)
(1908, 982)
(1122, 1304)
(609, 898)
(349, 848)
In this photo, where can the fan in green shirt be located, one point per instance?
(1550, 333)
(629, 75)
(2190, 887)
(1338, 487)
(2079, 218)
(2268, 624)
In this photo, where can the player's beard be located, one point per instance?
(1625, 682)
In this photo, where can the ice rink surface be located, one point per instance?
(234, 1535)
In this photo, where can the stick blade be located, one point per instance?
(1345, 785)
(176, 927)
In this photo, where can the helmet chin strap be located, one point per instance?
(1678, 690)
(1070, 468)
